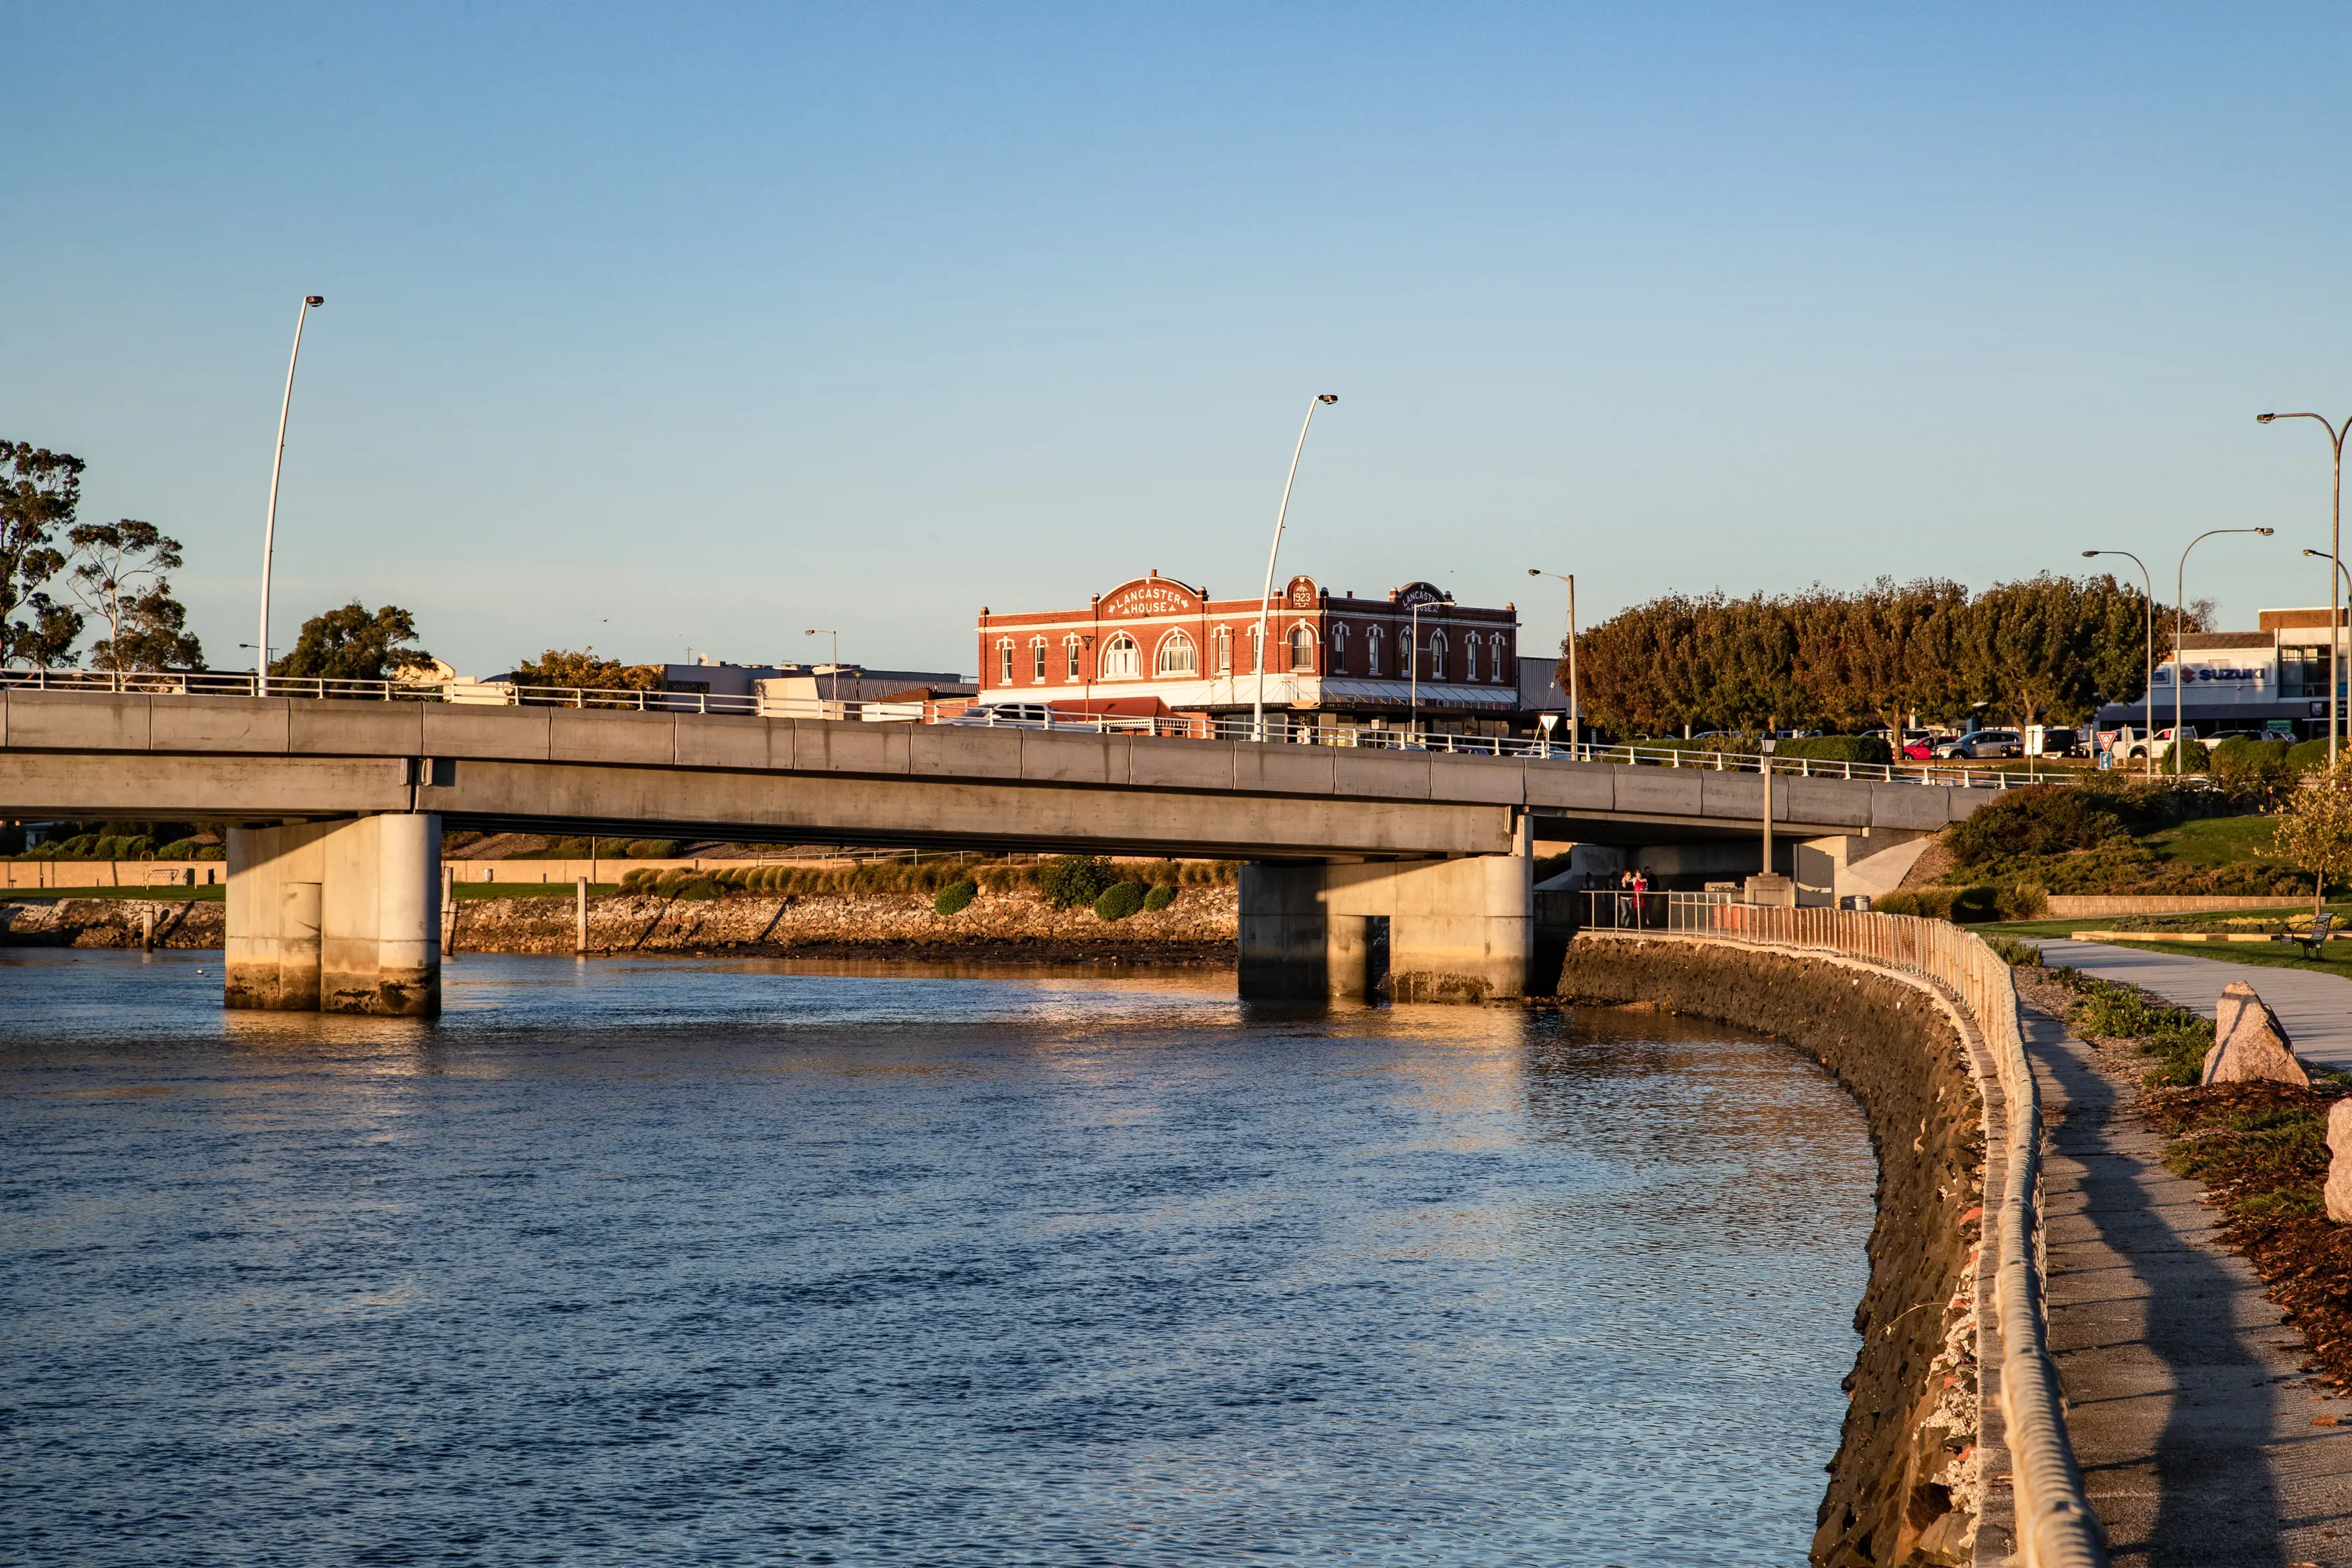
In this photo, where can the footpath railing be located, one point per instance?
(2056, 1525)
(1276, 727)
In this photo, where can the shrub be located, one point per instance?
(1160, 897)
(653, 849)
(2306, 755)
(2194, 759)
(2038, 819)
(2026, 901)
(1119, 900)
(2015, 954)
(953, 898)
(1835, 748)
(179, 849)
(1069, 881)
(2176, 1037)
(1970, 905)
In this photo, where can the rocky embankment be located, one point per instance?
(1200, 927)
(1905, 1487)
(111, 923)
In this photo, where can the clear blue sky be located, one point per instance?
(694, 326)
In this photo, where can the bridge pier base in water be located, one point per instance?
(335, 917)
(1458, 930)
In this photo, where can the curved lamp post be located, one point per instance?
(2336, 434)
(2179, 588)
(829, 631)
(2148, 686)
(1575, 730)
(269, 527)
(1266, 600)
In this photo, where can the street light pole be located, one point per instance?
(1266, 600)
(2179, 588)
(829, 631)
(2148, 686)
(269, 527)
(1574, 728)
(2336, 434)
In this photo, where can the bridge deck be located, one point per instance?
(66, 754)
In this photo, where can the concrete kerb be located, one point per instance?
(2018, 1385)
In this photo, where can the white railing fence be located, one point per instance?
(2056, 1525)
(1284, 727)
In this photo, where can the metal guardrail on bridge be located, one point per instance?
(1031, 715)
(2056, 1525)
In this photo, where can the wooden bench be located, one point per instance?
(2310, 941)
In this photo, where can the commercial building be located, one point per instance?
(2272, 678)
(1338, 660)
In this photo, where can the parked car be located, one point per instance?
(2161, 746)
(2058, 740)
(1979, 745)
(1014, 716)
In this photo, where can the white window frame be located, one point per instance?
(1374, 640)
(1075, 645)
(1162, 669)
(1004, 661)
(1300, 629)
(1121, 660)
(1037, 661)
(1438, 648)
(1338, 647)
(1222, 654)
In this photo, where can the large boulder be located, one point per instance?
(2249, 1046)
(2339, 1165)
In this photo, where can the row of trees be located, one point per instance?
(113, 578)
(114, 572)
(2047, 648)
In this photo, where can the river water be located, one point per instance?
(712, 1262)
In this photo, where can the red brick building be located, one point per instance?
(1343, 660)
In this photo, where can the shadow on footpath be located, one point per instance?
(2215, 1505)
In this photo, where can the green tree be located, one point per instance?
(118, 574)
(350, 645)
(2315, 827)
(39, 491)
(584, 671)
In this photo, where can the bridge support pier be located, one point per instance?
(335, 917)
(1458, 930)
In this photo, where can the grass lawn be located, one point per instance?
(2262, 955)
(211, 894)
(470, 890)
(2213, 840)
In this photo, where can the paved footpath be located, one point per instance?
(2185, 1397)
(2316, 1009)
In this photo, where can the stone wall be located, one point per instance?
(1202, 922)
(1904, 1488)
(112, 922)
(1200, 925)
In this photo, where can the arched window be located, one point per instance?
(1257, 652)
(1120, 662)
(1004, 662)
(1037, 660)
(1074, 645)
(1175, 657)
(1470, 657)
(1437, 655)
(1372, 651)
(1223, 642)
(1338, 647)
(1495, 647)
(1302, 646)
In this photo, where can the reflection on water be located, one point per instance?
(731, 1261)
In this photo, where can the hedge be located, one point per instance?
(1119, 900)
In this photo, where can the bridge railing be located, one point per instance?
(1277, 728)
(2056, 1525)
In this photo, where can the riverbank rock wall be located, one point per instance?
(112, 922)
(1202, 923)
(1904, 1488)
(1200, 926)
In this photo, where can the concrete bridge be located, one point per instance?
(333, 881)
